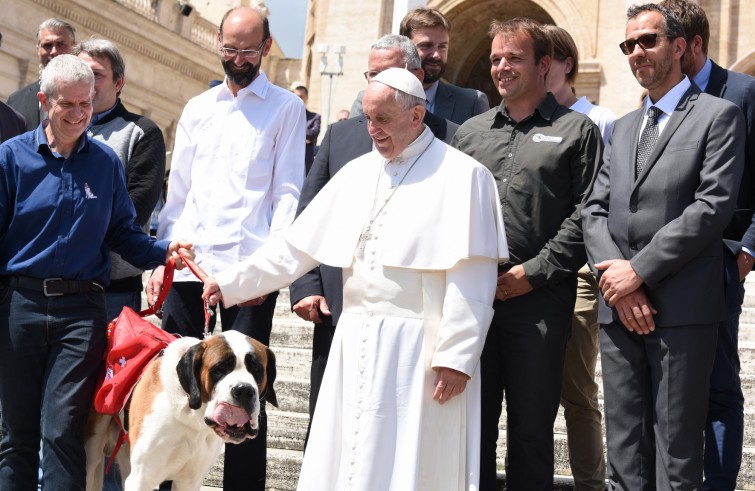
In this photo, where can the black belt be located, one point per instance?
(52, 287)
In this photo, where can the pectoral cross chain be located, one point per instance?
(364, 237)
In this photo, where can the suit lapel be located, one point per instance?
(717, 82)
(685, 106)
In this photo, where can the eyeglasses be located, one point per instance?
(646, 41)
(370, 74)
(247, 54)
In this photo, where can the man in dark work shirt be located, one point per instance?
(543, 157)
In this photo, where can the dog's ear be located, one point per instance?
(271, 373)
(189, 374)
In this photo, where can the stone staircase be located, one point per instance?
(291, 341)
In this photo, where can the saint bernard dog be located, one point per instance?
(191, 400)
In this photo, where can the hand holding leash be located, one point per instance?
(187, 256)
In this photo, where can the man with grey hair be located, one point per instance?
(317, 296)
(400, 398)
(64, 206)
(54, 37)
(388, 49)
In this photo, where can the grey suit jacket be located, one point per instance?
(458, 104)
(25, 101)
(343, 142)
(670, 220)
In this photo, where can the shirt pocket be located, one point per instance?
(254, 160)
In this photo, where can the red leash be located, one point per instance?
(199, 273)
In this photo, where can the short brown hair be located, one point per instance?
(693, 19)
(564, 47)
(541, 42)
(421, 18)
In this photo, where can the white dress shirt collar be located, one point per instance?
(667, 103)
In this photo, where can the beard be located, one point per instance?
(434, 74)
(241, 75)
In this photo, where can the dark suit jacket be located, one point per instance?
(740, 89)
(343, 142)
(25, 101)
(313, 131)
(458, 104)
(11, 122)
(669, 222)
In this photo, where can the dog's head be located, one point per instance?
(229, 372)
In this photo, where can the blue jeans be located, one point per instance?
(724, 427)
(51, 352)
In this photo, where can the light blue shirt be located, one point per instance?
(430, 96)
(703, 76)
(667, 104)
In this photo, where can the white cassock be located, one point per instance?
(418, 293)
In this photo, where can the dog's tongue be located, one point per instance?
(229, 415)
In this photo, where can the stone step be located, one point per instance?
(284, 464)
(286, 430)
(291, 340)
(283, 468)
(291, 332)
(292, 362)
(293, 395)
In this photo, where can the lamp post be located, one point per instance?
(338, 49)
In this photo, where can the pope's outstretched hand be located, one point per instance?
(211, 292)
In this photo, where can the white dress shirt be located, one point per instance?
(236, 172)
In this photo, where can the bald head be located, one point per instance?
(247, 15)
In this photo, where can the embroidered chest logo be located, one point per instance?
(539, 137)
(88, 192)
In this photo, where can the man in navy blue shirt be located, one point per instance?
(63, 206)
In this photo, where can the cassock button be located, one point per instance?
(633, 245)
(633, 208)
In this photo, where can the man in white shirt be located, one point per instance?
(399, 404)
(236, 175)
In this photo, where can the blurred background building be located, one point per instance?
(170, 45)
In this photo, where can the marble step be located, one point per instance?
(283, 468)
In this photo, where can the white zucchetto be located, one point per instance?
(403, 80)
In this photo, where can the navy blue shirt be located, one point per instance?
(59, 217)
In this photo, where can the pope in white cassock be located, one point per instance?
(417, 228)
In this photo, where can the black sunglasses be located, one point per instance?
(646, 41)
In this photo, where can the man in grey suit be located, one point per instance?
(318, 296)
(724, 428)
(653, 226)
(54, 37)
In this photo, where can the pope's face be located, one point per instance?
(391, 127)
